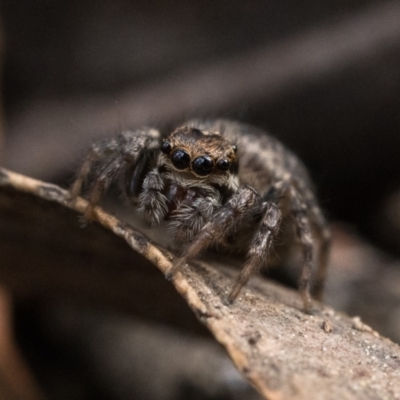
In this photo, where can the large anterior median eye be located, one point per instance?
(203, 165)
(180, 159)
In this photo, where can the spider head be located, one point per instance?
(201, 154)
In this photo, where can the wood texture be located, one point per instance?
(283, 352)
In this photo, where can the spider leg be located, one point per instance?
(259, 247)
(98, 151)
(320, 229)
(102, 182)
(152, 204)
(324, 236)
(300, 212)
(115, 156)
(188, 220)
(223, 223)
(307, 215)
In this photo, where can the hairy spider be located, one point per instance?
(216, 183)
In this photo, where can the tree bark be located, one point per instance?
(283, 352)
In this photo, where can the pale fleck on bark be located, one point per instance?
(283, 352)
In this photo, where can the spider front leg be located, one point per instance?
(98, 151)
(225, 221)
(152, 204)
(259, 248)
(114, 156)
(188, 220)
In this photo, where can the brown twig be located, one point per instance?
(283, 352)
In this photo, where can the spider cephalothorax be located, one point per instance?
(215, 183)
(205, 155)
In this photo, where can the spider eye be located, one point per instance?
(223, 165)
(166, 147)
(203, 165)
(234, 148)
(180, 159)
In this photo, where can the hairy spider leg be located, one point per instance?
(259, 248)
(98, 151)
(320, 230)
(115, 155)
(189, 219)
(299, 210)
(308, 220)
(102, 183)
(152, 203)
(229, 216)
(323, 234)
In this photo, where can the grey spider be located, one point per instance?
(216, 182)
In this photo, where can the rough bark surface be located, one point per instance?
(283, 352)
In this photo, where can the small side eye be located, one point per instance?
(166, 147)
(203, 165)
(223, 165)
(180, 159)
(234, 148)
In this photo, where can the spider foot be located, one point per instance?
(169, 274)
(70, 198)
(307, 302)
(175, 268)
(87, 217)
(234, 293)
(310, 308)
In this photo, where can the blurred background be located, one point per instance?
(323, 77)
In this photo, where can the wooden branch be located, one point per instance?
(283, 352)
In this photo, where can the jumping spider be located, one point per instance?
(216, 183)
